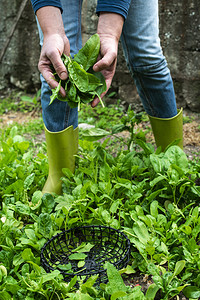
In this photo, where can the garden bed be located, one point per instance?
(152, 197)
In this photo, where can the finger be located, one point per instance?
(50, 79)
(94, 102)
(105, 62)
(59, 66)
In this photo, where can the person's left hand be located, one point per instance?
(109, 30)
(107, 61)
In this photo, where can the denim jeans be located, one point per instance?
(144, 58)
(59, 115)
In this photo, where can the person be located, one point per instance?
(136, 23)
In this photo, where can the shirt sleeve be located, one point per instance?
(41, 3)
(118, 6)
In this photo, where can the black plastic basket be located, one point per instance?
(109, 245)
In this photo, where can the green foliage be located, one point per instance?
(104, 118)
(20, 101)
(152, 197)
(83, 84)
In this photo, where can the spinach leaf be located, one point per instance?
(55, 92)
(78, 76)
(83, 84)
(87, 56)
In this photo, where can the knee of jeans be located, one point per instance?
(151, 67)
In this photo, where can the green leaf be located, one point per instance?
(55, 92)
(36, 268)
(175, 155)
(72, 282)
(118, 128)
(81, 263)
(153, 269)
(77, 256)
(153, 195)
(93, 82)
(179, 267)
(66, 267)
(154, 209)
(78, 76)
(141, 232)
(18, 260)
(94, 134)
(11, 285)
(192, 292)
(36, 200)
(27, 255)
(72, 92)
(87, 56)
(152, 291)
(84, 247)
(30, 234)
(44, 224)
(116, 283)
(136, 294)
(5, 296)
(22, 208)
(29, 180)
(150, 250)
(127, 270)
(102, 86)
(118, 295)
(48, 203)
(50, 276)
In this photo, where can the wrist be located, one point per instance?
(50, 20)
(110, 24)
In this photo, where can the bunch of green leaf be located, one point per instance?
(83, 84)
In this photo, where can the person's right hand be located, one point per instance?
(53, 47)
(55, 43)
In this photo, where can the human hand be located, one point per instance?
(109, 30)
(55, 43)
(107, 61)
(53, 47)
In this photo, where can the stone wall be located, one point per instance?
(180, 37)
(179, 33)
(19, 64)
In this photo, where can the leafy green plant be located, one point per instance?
(167, 281)
(20, 101)
(128, 123)
(33, 100)
(187, 119)
(102, 117)
(83, 84)
(152, 197)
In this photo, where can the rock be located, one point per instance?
(19, 64)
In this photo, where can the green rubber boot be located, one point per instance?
(61, 148)
(167, 130)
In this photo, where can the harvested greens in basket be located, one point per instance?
(82, 84)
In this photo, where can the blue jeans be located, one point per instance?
(145, 60)
(59, 115)
(143, 54)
